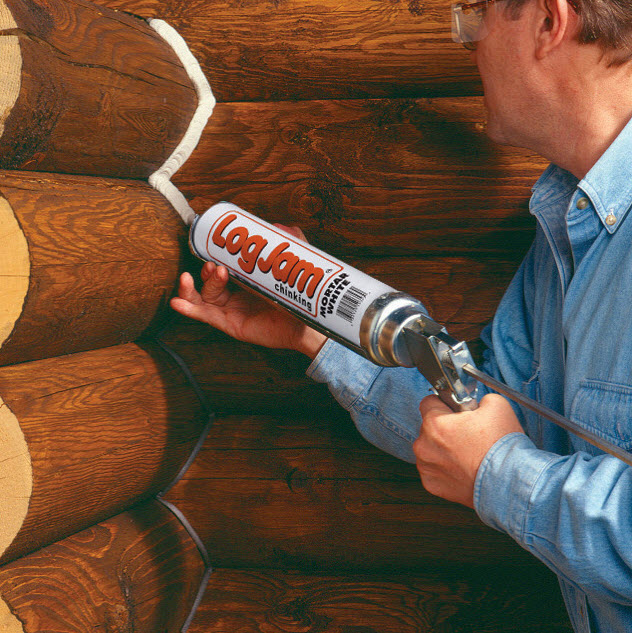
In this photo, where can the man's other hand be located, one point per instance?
(451, 446)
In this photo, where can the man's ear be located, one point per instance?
(553, 25)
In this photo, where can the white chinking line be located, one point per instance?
(161, 181)
(161, 178)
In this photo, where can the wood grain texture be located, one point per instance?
(138, 571)
(427, 601)
(308, 493)
(410, 191)
(298, 49)
(103, 259)
(104, 429)
(383, 178)
(100, 92)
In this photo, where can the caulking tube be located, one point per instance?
(342, 302)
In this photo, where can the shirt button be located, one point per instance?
(611, 219)
(582, 203)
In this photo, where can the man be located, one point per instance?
(557, 80)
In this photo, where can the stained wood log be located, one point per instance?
(266, 50)
(139, 571)
(460, 293)
(86, 263)
(384, 178)
(493, 599)
(308, 493)
(90, 434)
(89, 90)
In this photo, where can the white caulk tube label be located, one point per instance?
(316, 286)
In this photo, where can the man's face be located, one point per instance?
(505, 63)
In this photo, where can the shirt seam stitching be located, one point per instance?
(524, 531)
(384, 421)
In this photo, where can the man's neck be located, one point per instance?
(601, 107)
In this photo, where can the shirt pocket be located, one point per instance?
(605, 409)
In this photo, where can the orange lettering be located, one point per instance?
(235, 239)
(309, 271)
(286, 267)
(283, 265)
(266, 264)
(218, 240)
(250, 252)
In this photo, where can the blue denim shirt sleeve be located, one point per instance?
(572, 512)
(383, 401)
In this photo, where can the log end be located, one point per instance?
(8, 622)
(16, 478)
(14, 270)
(11, 66)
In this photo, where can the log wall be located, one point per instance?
(312, 49)
(93, 425)
(362, 123)
(108, 427)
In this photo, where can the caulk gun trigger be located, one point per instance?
(439, 358)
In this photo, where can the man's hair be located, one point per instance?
(607, 23)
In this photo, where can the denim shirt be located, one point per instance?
(562, 334)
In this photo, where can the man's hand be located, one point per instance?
(451, 446)
(242, 314)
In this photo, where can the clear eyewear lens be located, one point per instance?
(468, 24)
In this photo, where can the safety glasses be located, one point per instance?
(468, 22)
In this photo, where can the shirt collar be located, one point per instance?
(608, 184)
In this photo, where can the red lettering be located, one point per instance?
(286, 267)
(250, 252)
(235, 239)
(283, 265)
(266, 264)
(218, 239)
(306, 271)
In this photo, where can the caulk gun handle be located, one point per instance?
(447, 397)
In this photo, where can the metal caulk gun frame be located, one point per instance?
(447, 365)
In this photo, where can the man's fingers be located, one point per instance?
(208, 270)
(186, 289)
(293, 230)
(215, 279)
(205, 312)
(181, 305)
(432, 409)
(433, 404)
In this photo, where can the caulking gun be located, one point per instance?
(388, 327)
